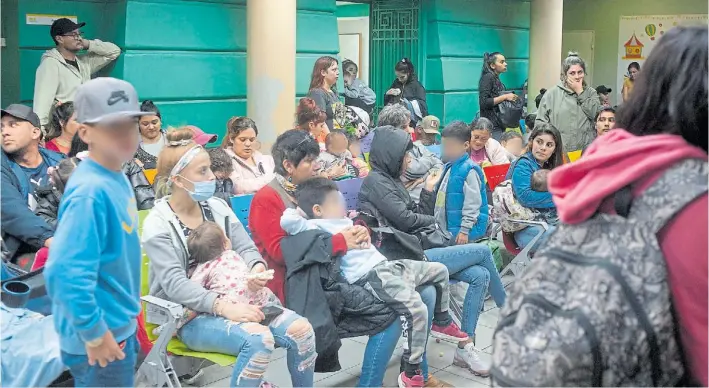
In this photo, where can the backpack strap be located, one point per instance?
(675, 189)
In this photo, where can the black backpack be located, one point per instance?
(594, 307)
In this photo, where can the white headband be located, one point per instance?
(184, 162)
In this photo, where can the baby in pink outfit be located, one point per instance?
(217, 268)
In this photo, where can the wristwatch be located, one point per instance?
(95, 343)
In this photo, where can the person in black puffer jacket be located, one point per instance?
(384, 196)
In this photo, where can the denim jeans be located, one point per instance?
(116, 374)
(381, 346)
(524, 237)
(473, 264)
(253, 344)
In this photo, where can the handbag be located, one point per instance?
(510, 112)
(433, 236)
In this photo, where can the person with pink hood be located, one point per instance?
(665, 122)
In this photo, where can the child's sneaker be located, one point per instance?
(469, 359)
(449, 333)
(415, 381)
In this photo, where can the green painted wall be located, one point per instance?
(189, 56)
(458, 33)
(27, 43)
(603, 17)
(352, 10)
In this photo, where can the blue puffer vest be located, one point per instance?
(455, 197)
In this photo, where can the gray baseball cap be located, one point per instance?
(105, 100)
(22, 112)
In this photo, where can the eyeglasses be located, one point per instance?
(75, 35)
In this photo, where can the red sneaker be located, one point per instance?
(449, 333)
(415, 381)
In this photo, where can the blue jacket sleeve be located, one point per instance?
(522, 186)
(71, 273)
(17, 218)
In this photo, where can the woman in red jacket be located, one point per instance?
(295, 153)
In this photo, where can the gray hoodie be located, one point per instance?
(56, 80)
(166, 246)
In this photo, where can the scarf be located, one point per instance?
(286, 185)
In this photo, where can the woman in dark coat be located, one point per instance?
(490, 91)
(407, 86)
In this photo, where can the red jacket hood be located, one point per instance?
(610, 163)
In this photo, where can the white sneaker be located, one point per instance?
(469, 359)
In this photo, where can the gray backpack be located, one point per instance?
(594, 307)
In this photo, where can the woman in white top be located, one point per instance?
(484, 150)
(152, 137)
(252, 169)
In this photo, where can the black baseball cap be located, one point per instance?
(22, 112)
(63, 26)
(603, 89)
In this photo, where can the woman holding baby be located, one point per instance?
(528, 174)
(223, 324)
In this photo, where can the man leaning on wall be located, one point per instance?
(61, 70)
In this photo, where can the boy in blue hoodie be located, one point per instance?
(461, 200)
(93, 271)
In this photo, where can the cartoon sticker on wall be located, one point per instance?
(633, 48)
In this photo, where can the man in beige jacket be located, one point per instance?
(61, 70)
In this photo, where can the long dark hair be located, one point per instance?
(407, 67)
(670, 94)
(59, 115)
(77, 145)
(557, 159)
(322, 64)
(489, 59)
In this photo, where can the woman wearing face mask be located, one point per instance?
(629, 81)
(252, 169)
(543, 152)
(571, 106)
(490, 91)
(185, 187)
(152, 138)
(325, 74)
(407, 86)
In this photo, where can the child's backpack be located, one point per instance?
(505, 207)
(594, 307)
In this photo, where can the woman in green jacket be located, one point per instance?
(571, 106)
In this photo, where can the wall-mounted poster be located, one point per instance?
(638, 36)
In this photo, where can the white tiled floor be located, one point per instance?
(440, 358)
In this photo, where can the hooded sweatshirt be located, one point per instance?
(618, 159)
(56, 80)
(573, 115)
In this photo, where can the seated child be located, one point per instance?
(222, 168)
(393, 282)
(513, 143)
(461, 197)
(539, 183)
(357, 158)
(336, 154)
(217, 268)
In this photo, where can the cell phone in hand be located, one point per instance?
(270, 312)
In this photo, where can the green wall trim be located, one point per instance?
(458, 34)
(352, 10)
